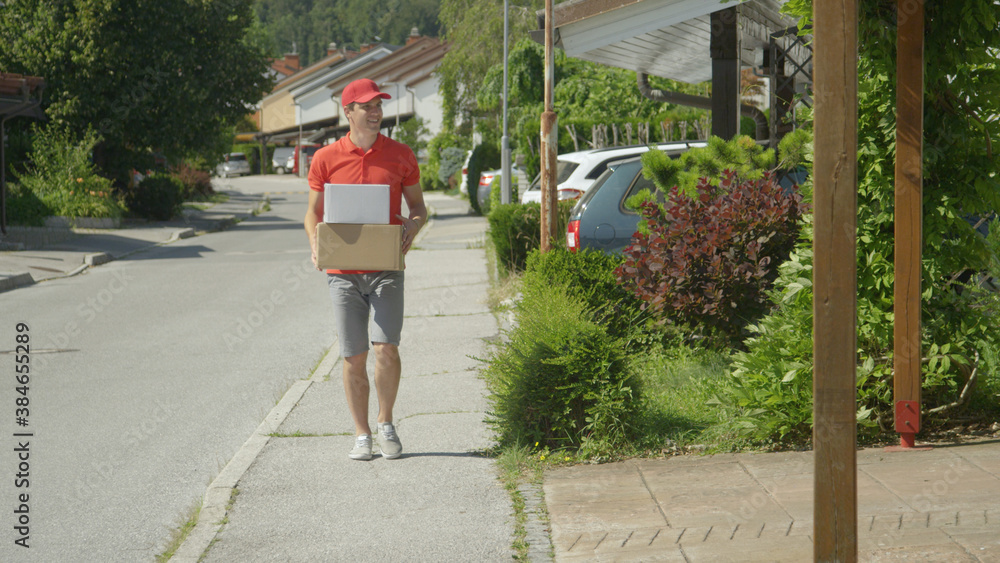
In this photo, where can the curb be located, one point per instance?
(99, 258)
(16, 281)
(537, 531)
(211, 518)
(181, 234)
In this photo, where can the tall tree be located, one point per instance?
(309, 26)
(474, 29)
(144, 78)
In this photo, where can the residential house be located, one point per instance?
(307, 104)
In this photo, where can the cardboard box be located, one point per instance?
(356, 203)
(346, 246)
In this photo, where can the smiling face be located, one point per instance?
(365, 118)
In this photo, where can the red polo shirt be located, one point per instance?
(387, 162)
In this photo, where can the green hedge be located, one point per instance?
(158, 197)
(485, 156)
(560, 380)
(515, 230)
(590, 275)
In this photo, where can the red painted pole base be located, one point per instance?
(907, 443)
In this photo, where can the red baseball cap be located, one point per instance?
(362, 91)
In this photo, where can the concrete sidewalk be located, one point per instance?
(941, 504)
(32, 255)
(292, 494)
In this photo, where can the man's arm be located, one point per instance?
(314, 214)
(418, 214)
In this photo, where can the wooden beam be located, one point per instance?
(909, 217)
(725, 50)
(835, 281)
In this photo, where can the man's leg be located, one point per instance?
(387, 372)
(357, 389)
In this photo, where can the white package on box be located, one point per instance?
(356, 203)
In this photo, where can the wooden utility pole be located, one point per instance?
(548, 144)
(909, 217)
(835, 520)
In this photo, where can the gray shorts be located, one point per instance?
(356, 297)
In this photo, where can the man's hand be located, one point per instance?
(410, 229)
(312, 244)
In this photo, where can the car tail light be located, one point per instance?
(569, 193)
(573, 235)
(486, 179)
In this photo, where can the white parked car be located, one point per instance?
(235, 164)
(577, 171)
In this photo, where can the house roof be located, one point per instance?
(284, 67)
(321, 79)
(408, 66)
(21, 95)
(666, 38)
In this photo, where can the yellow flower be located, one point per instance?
(567, 458)
(536, 444)
(542, 458)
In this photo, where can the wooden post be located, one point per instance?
(725, 50)
(909, 217)
(835, 520)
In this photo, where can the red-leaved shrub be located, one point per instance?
(710, 260)
(197, 183)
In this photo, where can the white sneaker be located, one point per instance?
(362, 448)
(388, 442)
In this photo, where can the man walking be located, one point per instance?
(365, 156)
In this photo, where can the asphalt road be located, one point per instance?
(148, 374)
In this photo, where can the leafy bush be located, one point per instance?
(197, 184)
(561, 380)
(769, 395)
(24, 207)
(710, 260)
(960, 335)
(158, 197)
(515, 230)
(590, 275)
(429, 172)
(63, 178)
(452, 159)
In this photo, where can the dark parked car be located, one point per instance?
(600, 219)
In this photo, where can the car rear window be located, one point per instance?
(563, 170)
(641, 183)
(233, 157)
